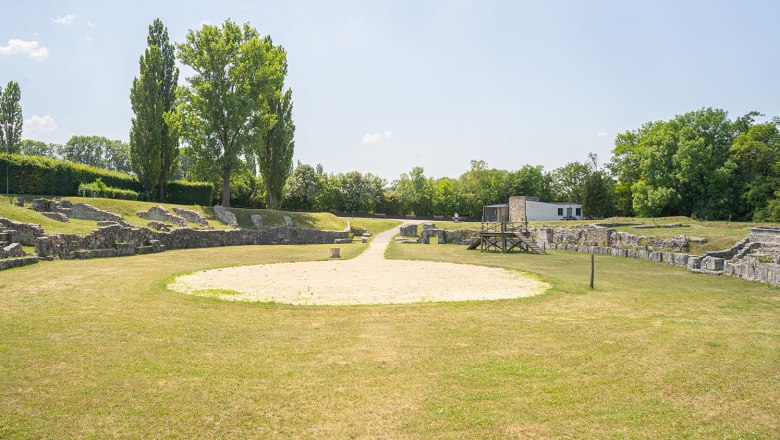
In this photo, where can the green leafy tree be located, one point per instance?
(360, 192)
(303, 187)
(445, 197)
(755, 159)
(474, 187)
(11, 121)
(277, 146)
(98, 151)
(331, 197)
(29, 147)
(415, 192)
(598, 195)
(153, 141)
(222, 109)
(567, 181)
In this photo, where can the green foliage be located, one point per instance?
(699, 163)
(42, 175)
(598, 195)
(653, 201)
(303, 187)
(98, 151)
(276, 149)
(189, 193)
(46, 176)
(11, 121)
(153, 141)
(99, 189)
(222, 112)
(415, 192)
(567, 182)
(29, 147)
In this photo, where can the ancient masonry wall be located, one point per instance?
(116, 240)
(755, 258)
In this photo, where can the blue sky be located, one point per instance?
(382, 86)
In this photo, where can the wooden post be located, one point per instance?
(592, 267)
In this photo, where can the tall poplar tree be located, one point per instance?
(154, 144)
(11, 121)
(276, 149)
(222, 108)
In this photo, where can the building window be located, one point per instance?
(579, 211)
(560, 212)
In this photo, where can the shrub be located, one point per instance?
(99, 189)
(189, 193)
(46, 176)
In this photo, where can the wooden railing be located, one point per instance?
(504, 227)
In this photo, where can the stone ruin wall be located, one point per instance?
(118, 240)
(25, 233)
(605, 237)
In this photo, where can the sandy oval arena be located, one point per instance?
(366, 279)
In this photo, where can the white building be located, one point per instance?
(546, 211)
(522, 209)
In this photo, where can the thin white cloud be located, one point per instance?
(90, 24)
(602, 134)
(32, 49)
(44, 124)
(64, 20)
(372, 138)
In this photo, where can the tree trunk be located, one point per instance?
(226, 190)
(160, 188)
(273, 202)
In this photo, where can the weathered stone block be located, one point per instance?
(159, 213)
(225, 216)
(257, 220)
(409, 231)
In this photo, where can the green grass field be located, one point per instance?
(100, 348)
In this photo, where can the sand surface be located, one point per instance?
(366, 279)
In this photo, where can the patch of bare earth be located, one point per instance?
(367, 279)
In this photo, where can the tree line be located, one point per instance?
(310, 188)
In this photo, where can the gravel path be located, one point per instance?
(366, 279)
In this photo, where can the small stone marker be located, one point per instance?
(287, 221)
(364, 239)
(257, 220)
(335, 252)
(19, 201)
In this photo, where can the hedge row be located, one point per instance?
(99, 189)
(46, 176)
(189, 193)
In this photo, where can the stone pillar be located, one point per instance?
(517, 213)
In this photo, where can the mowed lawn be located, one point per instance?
(100, 348)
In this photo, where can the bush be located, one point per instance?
(45, 176)
(99, 189)
(189, 193)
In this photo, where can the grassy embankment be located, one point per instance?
(719, 235)
(101, 348)
(129, 209)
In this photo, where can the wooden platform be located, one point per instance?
(505, 237)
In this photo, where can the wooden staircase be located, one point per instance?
(504, 237)
(530, 244)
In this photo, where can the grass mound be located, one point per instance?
(129, 209)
